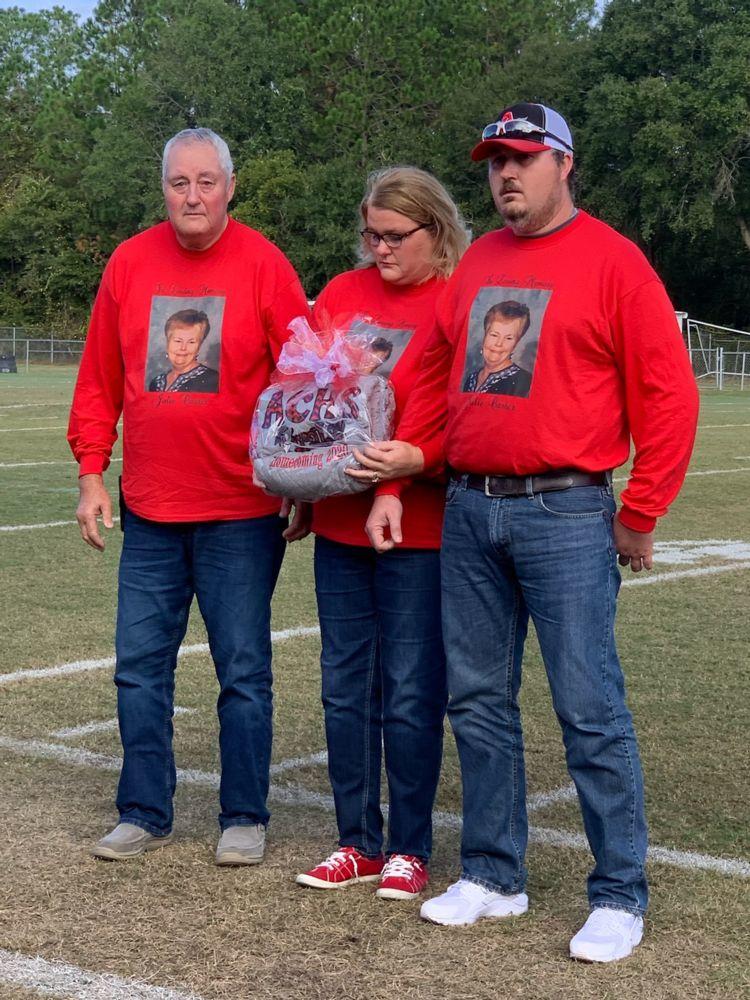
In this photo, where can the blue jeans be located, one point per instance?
(383, 680)
(550, 556)
(231, 567)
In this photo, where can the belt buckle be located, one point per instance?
(488, 492)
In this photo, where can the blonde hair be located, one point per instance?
(421, 197)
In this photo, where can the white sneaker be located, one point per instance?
(466, 902)
(607, 936)
(128, 841)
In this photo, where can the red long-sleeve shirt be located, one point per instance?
(405, 317)
(185, 450)
(604, 354)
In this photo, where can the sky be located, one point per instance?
(82, 8)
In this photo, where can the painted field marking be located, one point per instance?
(714, 427)
(27, 406)
(58, 979)
(679, 574)
(13, 430)
(106, 726)
(32, 527)
(294, 795)
(292, 763)
(28, 465)
(79, 666)
(691, 551)
(707, 472)
(48, 524)
(540, 800)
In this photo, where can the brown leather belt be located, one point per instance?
(546, 482)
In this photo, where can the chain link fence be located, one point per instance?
(16, 343)
(720, 355)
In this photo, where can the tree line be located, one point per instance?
(313, 94)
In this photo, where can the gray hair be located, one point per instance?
(200, 135)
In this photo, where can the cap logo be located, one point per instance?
(508, 116)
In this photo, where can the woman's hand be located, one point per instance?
(385, 460)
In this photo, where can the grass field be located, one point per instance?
(172, 925)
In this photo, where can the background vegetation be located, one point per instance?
(312, 94)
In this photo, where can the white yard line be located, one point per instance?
(292, 763)
(58, 979)
(28, 465)
(707, 472)
(79, 666)
(103, 727)
(714, 427)
(540, 800)
(13, 430)
(294, 795)
(28, 406)
(678, 574)
(32, 527)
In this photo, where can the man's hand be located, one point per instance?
(634, 547)
(387, 460)
(384, 523)
(299, 526)
(94, 502)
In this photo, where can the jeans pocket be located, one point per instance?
(577, 502)
(453, 489)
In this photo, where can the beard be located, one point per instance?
(523, 218)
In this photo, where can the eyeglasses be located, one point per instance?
(520, 125)
(392, 240)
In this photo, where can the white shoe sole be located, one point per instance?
(397, 894)
(495, 912)
(113, 854)
(317, 883)
(233, 858)
(579, 954)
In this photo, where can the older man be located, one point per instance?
(530, 526)
(194, 523)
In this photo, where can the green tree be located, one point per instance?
(665, 140)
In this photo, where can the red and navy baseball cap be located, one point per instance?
(527, 128)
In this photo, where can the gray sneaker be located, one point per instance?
(128, 841)
(241, 845)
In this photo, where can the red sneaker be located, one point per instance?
(344, 867)
(404, 877)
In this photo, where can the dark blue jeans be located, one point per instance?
(231, 567)
(550, 556)
(383, 681)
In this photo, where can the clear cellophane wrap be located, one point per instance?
(320, 405)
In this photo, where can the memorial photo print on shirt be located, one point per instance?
(502, 340)
(184, 344)
(384, 342)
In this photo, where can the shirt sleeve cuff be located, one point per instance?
(393, 488)
(93, 465)
(636, 521)
(434, 459)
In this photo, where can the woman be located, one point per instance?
(185, 332)
(504, 325)
(382, 660)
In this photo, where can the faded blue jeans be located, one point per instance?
(383, 684)
(550, 556)
(231, 567)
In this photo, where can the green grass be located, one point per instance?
(172, 918)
